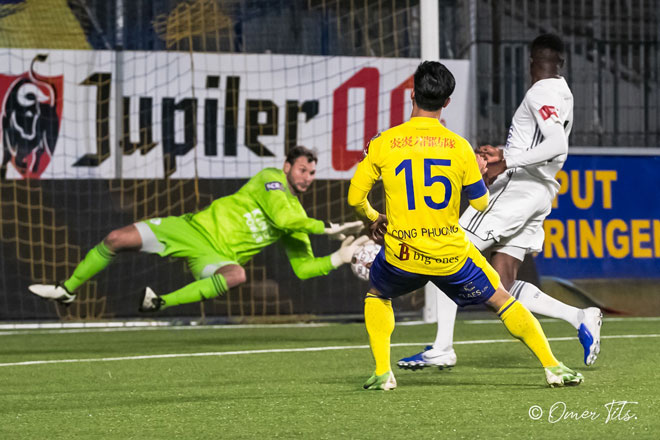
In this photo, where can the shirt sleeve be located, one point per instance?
(284, 212)
(299, 252)
(472, 174)
(544, 105)
(368, 171)
(366, 174)
(546, 108)
(473, 182)
(553, 145)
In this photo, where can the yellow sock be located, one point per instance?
(524, 326)
(379, 320)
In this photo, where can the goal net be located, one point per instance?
(188, 104)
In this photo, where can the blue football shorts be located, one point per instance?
(474, 283)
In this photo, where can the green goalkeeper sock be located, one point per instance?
(94, 262)
(206, 288)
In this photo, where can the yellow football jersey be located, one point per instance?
(424, 167)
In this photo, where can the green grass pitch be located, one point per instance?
(235, 383)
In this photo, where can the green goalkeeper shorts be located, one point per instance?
(176, 237)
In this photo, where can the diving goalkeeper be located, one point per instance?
(219, 240)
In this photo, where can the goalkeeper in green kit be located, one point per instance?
(219, 240)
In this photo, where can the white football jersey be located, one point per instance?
(548, 101)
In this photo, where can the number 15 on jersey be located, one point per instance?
(406, 168)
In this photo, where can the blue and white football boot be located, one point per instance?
(430, 357)
(589, 334)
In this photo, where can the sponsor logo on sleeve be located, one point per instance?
(272, 186)
(548, 111)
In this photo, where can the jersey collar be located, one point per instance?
(421, 120)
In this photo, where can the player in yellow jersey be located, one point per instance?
(424, 167)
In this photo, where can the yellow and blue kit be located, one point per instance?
(424, 167)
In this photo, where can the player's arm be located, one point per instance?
(366, 174)
(545, 107)
(286, 214)
(303, 262)
(473, 182)
(288, 218)
(283, 216)
(299, 252)
(377, 222)
(357, 198)
(478, 202)
(553, 145)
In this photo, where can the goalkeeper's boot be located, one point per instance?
(589, 334)
(561, 375)
(56, 292)
(150, 301)
(383, 382)
(430, 357)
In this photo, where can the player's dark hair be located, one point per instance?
(545, 42)
(434, 83)
(298, 151)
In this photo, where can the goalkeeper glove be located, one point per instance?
(337, 231)
(345, 252)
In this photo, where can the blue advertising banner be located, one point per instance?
(605, 221)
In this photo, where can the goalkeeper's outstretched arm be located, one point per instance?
(305, 265)
(283, 215)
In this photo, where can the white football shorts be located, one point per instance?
(514, 218)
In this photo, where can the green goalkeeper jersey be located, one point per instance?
(262, 212)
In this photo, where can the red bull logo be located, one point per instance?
(31, 113)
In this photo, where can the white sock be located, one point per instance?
(538, 302)
(446, 311)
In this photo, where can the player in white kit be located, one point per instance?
(520, 198)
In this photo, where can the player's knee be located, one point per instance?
(114, 240)
(121, 240)
(234, 275)
(240, 275)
